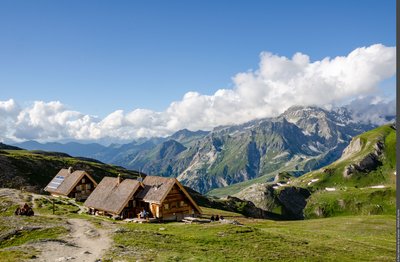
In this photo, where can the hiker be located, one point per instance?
(217, 218)
(221, 217)
(212, 218)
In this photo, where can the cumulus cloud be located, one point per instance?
(375, 110)
(278, 83)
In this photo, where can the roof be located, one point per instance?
(156, 189)
(110, 196)
(64, 182)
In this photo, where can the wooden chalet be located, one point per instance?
(167, 199)
(77, 184)
(162, 198)
(115, 197)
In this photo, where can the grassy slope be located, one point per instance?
(369, 238)
(35, 169)
(382, 175)
(354, 195)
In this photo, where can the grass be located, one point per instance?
(16, 255)
(208, 212)
(61, 206)
(32, 235)
(366, 238)
(351, 201)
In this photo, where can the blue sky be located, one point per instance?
(120, 70)
(99, 56)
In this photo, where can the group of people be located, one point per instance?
(216, 218)
(24, 210)
(144, 214)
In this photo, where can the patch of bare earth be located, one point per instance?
(83, 243)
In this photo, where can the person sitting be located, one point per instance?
(217, 218)
(221, 217)
(212, 218)
(142, 214)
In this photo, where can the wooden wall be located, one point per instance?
(83, 189)
(175, 206)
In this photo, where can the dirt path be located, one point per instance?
(84, 243)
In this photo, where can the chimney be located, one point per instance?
(119, 179)
(140, 178)
(70, 170)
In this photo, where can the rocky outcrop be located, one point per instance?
(248, 208)
(269, 196)
(262, 195)
(293, 201)
(283, 177)
(353, 148)
(368, 163)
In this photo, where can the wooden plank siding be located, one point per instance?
(83, 189)
(175, 206)
(162, 198)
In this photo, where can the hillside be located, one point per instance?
(369, 160)
(8, 147)
(362, 181)
(34, 169)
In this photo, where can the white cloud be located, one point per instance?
(279, 83)
(373, 109)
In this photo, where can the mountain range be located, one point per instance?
(361, 181)
(300, 140)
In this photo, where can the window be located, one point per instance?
(183, 203)
(79, 187)
(166, 206)
(88, 186)
(83, 180)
